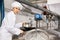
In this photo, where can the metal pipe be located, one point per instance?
(40, 8)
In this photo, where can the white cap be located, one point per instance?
(17, 4)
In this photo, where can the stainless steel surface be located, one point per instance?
(38, 35)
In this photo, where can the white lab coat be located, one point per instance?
(8, 27)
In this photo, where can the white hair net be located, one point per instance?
(17, 4)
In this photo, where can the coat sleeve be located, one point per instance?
(18, 25)
(10, 25)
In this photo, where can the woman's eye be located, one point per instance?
(18, 8)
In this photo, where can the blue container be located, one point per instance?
(38, 17)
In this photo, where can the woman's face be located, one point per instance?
(16, 10)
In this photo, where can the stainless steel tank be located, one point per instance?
(38, 35)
